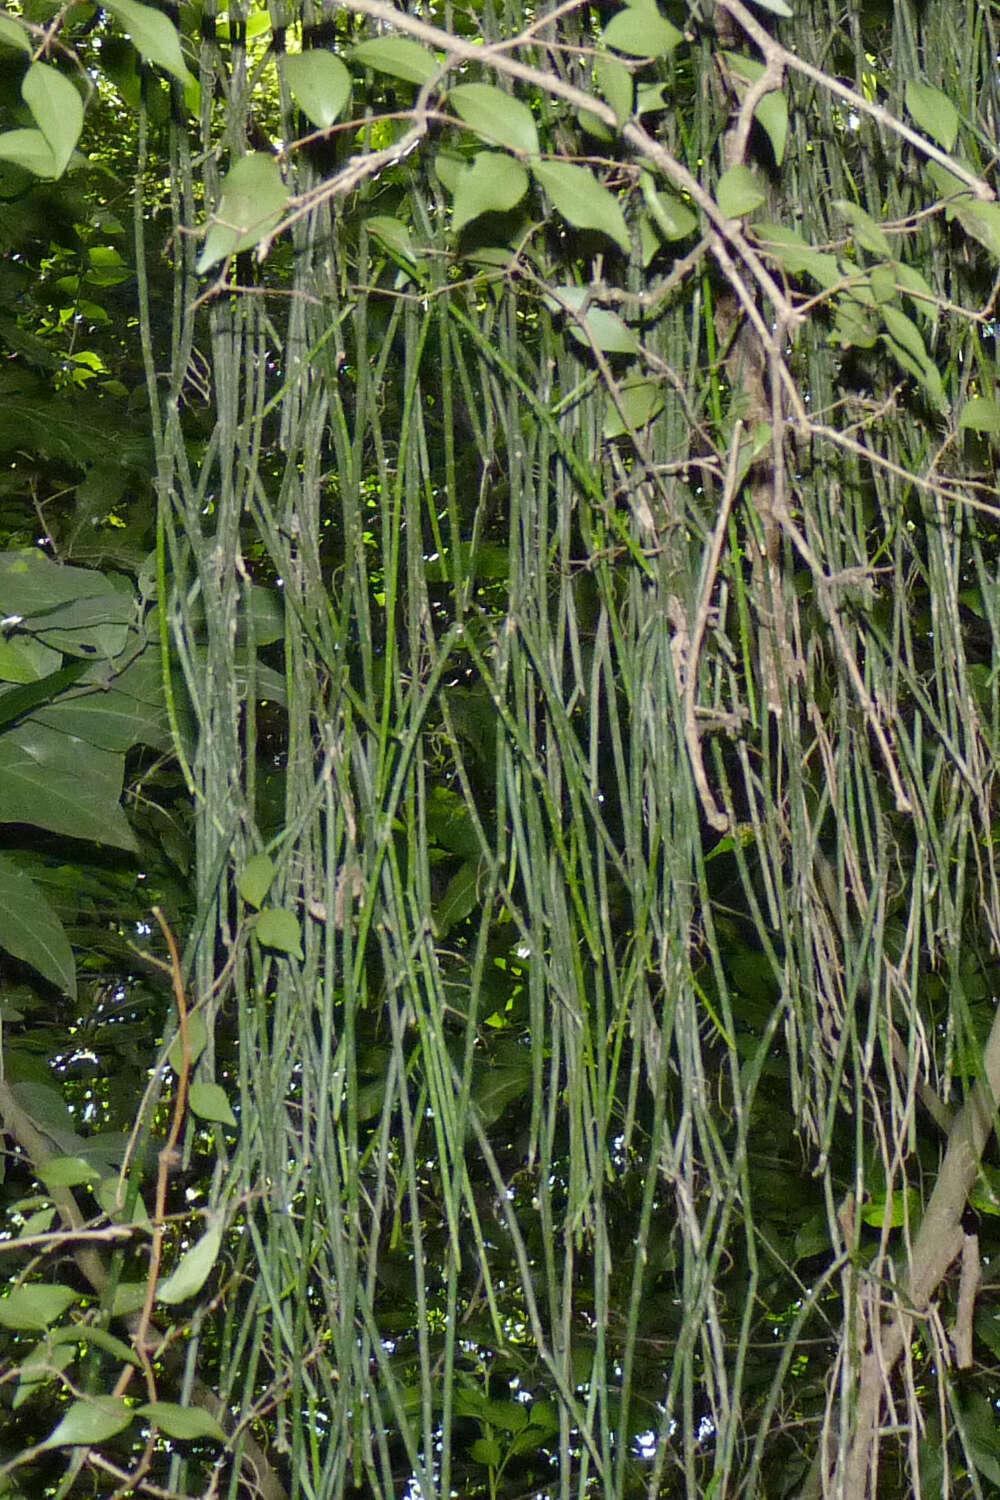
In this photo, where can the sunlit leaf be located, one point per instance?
(492, 183)
(57, 108)
(641, 31)
(496, 116)
(13, 35)
(399, 57)
(28, 149)
(32, 1308)
(90, 1421)
(251, 202)
(582, 200)
(320, 84)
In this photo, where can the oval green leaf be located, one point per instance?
(582, 200)
(57, 108)
(933, 113)
(193, 1268)
(209, 1102)
(182, 1421)
(31, 930)
(68, 1171)
(154, 35)
(596, 327)
(279, 928)
(197, 1037)
(90, 1422)
(13, 35)
(28, 149)
(641, 31)
(32, 1308)
(399, 57)
(256, 880)
(738, 192)
(493, 183)
(981, 414)
(498, 118)
(320, 84)
(614, 81)
(252, 201)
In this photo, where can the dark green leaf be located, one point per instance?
(61, 783)
(90, 1421)
(193, 1268)
(31, 930)
(154, 36)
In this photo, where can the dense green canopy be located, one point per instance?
(499, 701)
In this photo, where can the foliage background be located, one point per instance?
(520, 596)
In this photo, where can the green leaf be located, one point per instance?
(256, 880)
(154, 36)
(771, 114)
(89, 1333)
(399, 57)
(40, 1367)
(641, 31)
(933, 113)
(393, 234)
(461, 897)
(32, 1308)
(738, 192)
(595, 327)
(277, 927)
(89, 1422)
(31, 930)
(981, 414)
(197, 1030)
(486, 1451)
(193, 1268)
(905, 332)
(28, 149)
(499, 118)
(128, 1297)
(492, 183)
(320, 84)
(909, 280)
(68, 1171)
(182, 1421)
(497, 1087)
(209, 1102)
(796, 256)
(63, 784)
(614, 81)
(673, 219)
(57, 108)
(869, 235)
(582, 200)
(13, 35)
(640, 400)
(251, 202)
